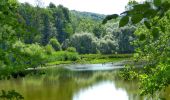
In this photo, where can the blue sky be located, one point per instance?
(96, 6)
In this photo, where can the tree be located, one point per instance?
(47, 30)
(30, 17)
(153, 43)
(99, 31)
(125, 36)
(83, 42)
(62, 21)
(55, 44)
(51, 5)
(9, 33)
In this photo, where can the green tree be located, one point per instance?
(10, 31)
(31, 19)
(47, 29)
(62, 20)
(99, 31)
(153, 43)
(55, 44)
(83, 42)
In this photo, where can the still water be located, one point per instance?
(105, 90)
(66, 84)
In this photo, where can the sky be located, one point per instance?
(97, 6)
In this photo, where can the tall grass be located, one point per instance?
(99, 58)
(63, 56)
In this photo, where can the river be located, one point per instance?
(76, 82)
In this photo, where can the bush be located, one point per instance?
(49, 49)
(107, 46)
(83, 42)
(71, 49)
(87, 43)
(63, 56)
(55, 44)
(28, 55)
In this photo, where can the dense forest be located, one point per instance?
(65, 28)
(34, 36)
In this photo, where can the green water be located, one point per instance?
(62, 84)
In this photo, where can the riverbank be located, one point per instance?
(94, 59)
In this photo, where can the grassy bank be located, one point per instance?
(99, 58)
(63, 57)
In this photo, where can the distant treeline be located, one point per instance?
(81, 30)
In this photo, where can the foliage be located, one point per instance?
(57, 22)
(109, 17)
(10, 31)
(107, 46)
(99, 58)
(153, 43)
(29, 55)
(125, 36)
(63, 56)
(10, 95)
(87, 43)
(71, 49)
(49, 49)
(99, 31)
(83, 42)
(55, 44)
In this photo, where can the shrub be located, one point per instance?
(29, 55)
(71, 49)
(107, 46)
(87, 43)
(83, 42)
(55, 44)
(49, 49)
(63, 56)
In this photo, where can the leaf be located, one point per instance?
(150, 13)
(142, 7)
(142, 37)
(155, 33)
(165, 6)
(162, 29)
(109, 17)
(136, 18)
(147, 24)
(157, 2)
(124, 21)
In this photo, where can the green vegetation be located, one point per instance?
(33, 36)
(98, 58)
(30, 36)
(55, 44)
(152, 43)
(10, 95)
(62, 57)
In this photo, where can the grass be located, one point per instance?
(58, 63)
(63, 57)
(99, 58)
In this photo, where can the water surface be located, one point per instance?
(75, 84)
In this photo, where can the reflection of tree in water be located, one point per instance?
(131, 88)
(63, 84)
(166, 94)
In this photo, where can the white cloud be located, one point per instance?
(97, 6)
